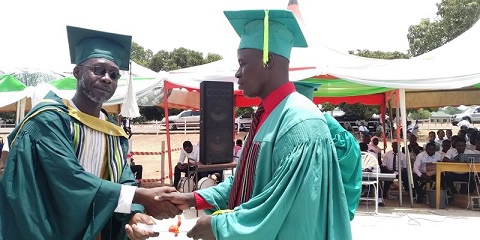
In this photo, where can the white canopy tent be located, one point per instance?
(451, 66)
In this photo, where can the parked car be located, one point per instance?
(243, 122)
(471, 114)
(186, 119)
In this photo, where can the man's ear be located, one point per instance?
(270, 61)
(76, 72)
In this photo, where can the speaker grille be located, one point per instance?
(216, 122)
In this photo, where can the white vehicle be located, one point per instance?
(471, 114)
(242, 123)
(189, 119)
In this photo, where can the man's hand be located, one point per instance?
(157, 209)
(183, 201)
(202, 230)
(181, 166)
(134, 232)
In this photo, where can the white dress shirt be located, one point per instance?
(440, 141)
(420, 165)
(388, 160)
(363, 128)
(195, 154)
(452, 153)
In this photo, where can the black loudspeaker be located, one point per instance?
(216, 122)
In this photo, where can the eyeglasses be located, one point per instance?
(101, 71)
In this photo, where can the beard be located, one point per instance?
(89, 94)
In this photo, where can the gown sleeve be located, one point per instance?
(350, 160)
(217, 196)
(45, 192)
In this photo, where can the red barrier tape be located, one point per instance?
(152, 153)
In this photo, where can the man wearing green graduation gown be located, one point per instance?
(288, 183)
(66, 176)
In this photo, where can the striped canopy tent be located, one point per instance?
(11, 91)
(65, 88)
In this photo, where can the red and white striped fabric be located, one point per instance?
(152, 153)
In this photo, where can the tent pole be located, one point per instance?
(167, 131)
(17, 115)
(399, 145)
(382, 119)
(407, 152)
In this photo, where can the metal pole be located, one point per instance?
(167, 130)
(162, 163)
(399, 144)
(407, 153)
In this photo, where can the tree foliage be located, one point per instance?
(379, 54)
(359, 110)
(419, 114)
(166, 61)
(452, 110)
(453, 18)
(212, 57)
(180, 58)
(327, 107)
(244, 110)
(141, 55)
(152, 113)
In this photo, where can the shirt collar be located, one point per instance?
(275, 97)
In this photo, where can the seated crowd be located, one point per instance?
(440, 147)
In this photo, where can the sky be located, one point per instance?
(33, 33)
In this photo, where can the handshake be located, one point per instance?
(164, 202)
(167, 202)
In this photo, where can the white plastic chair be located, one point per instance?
(369, 161)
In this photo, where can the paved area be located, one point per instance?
(390, 223)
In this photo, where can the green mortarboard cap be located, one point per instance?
(306, 88)
(86, 44)
(281, 25)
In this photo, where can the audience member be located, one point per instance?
(431, 139)
(420, 168)
(453, 155)
(449, 134)
(446, 145)
(192, 154)
(440, 136)
(391, 160)
(237, 147)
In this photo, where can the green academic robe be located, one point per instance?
(298, 190)
(46, 194)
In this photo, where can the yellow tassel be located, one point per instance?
(218, 212)
(265, 39)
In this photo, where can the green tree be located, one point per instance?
(359, 110)
(327, 107)
(212, 57)
(452, 110)
(379, 54)
(151, 113)
(418, 114)
(453, 18)
(161, 61)
(243, 110)
(141, 55)
(180, 58)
